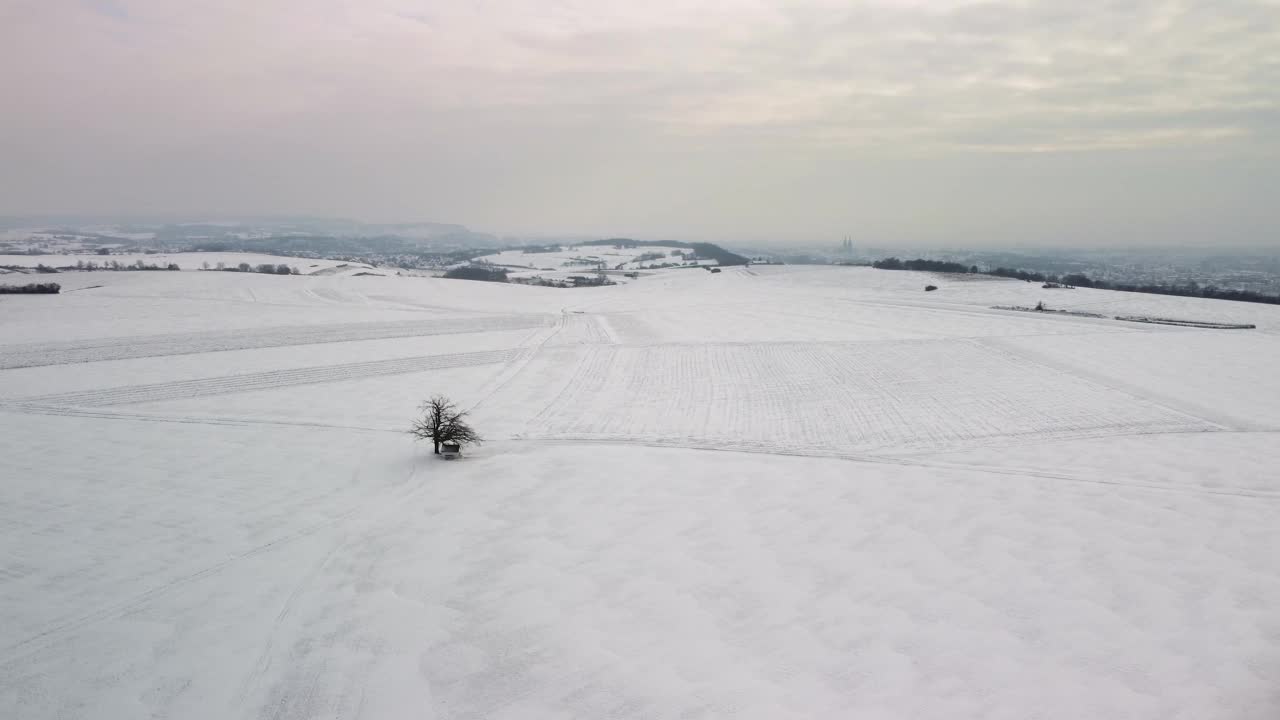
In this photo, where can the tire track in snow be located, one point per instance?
(183, 419)
(517, 363)
(226, 385)
(372, 512)
(263, 663)
(126, 348)
(791, 451)
(303, 689)
(1114, 384)
(588, 325)
(581, 329)
(34, 643)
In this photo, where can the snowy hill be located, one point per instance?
(617, 262)
(770, 492)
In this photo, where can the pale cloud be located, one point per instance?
(503, 95)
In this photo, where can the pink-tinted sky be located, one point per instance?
(926, 121)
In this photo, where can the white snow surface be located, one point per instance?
(772, 492)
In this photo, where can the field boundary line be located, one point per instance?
(1205, 415)
(55, 411)
(892, 460)
(126, 348)
(268, 380)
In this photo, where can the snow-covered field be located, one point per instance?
(772, 492)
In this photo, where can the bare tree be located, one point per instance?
(442, 421)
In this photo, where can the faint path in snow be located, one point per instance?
(184, 419)
(299, 692)
(581, 328)
(753, 448)
(353, 521)
(62, 353)
(572, 329)
(50, 636)
(1112, 378)
(1106, 381)
(132, 394)
(516, 364)
(611, 335)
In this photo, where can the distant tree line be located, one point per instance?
(117, 266)
(31, 289)
(139, 265)
(1189, 289)
(264, 268)
(477, 272)
(706, 250)
(269, 269)
(921, 264)
(111, 265)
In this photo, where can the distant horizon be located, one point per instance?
(799, 243)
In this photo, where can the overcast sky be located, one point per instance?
(895, 121)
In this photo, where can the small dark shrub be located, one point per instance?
(31, 289)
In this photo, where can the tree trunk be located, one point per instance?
(437, 443)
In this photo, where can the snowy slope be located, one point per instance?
(770, 492)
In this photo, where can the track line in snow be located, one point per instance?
(1115, 384)
(375, 511)
(296, 694)
(581, 328)
(52, 635)
(522, 357)
(126, 348)
(589, 332)
(263, 663)
(764, 449)
(182, 419)
(230, 384)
